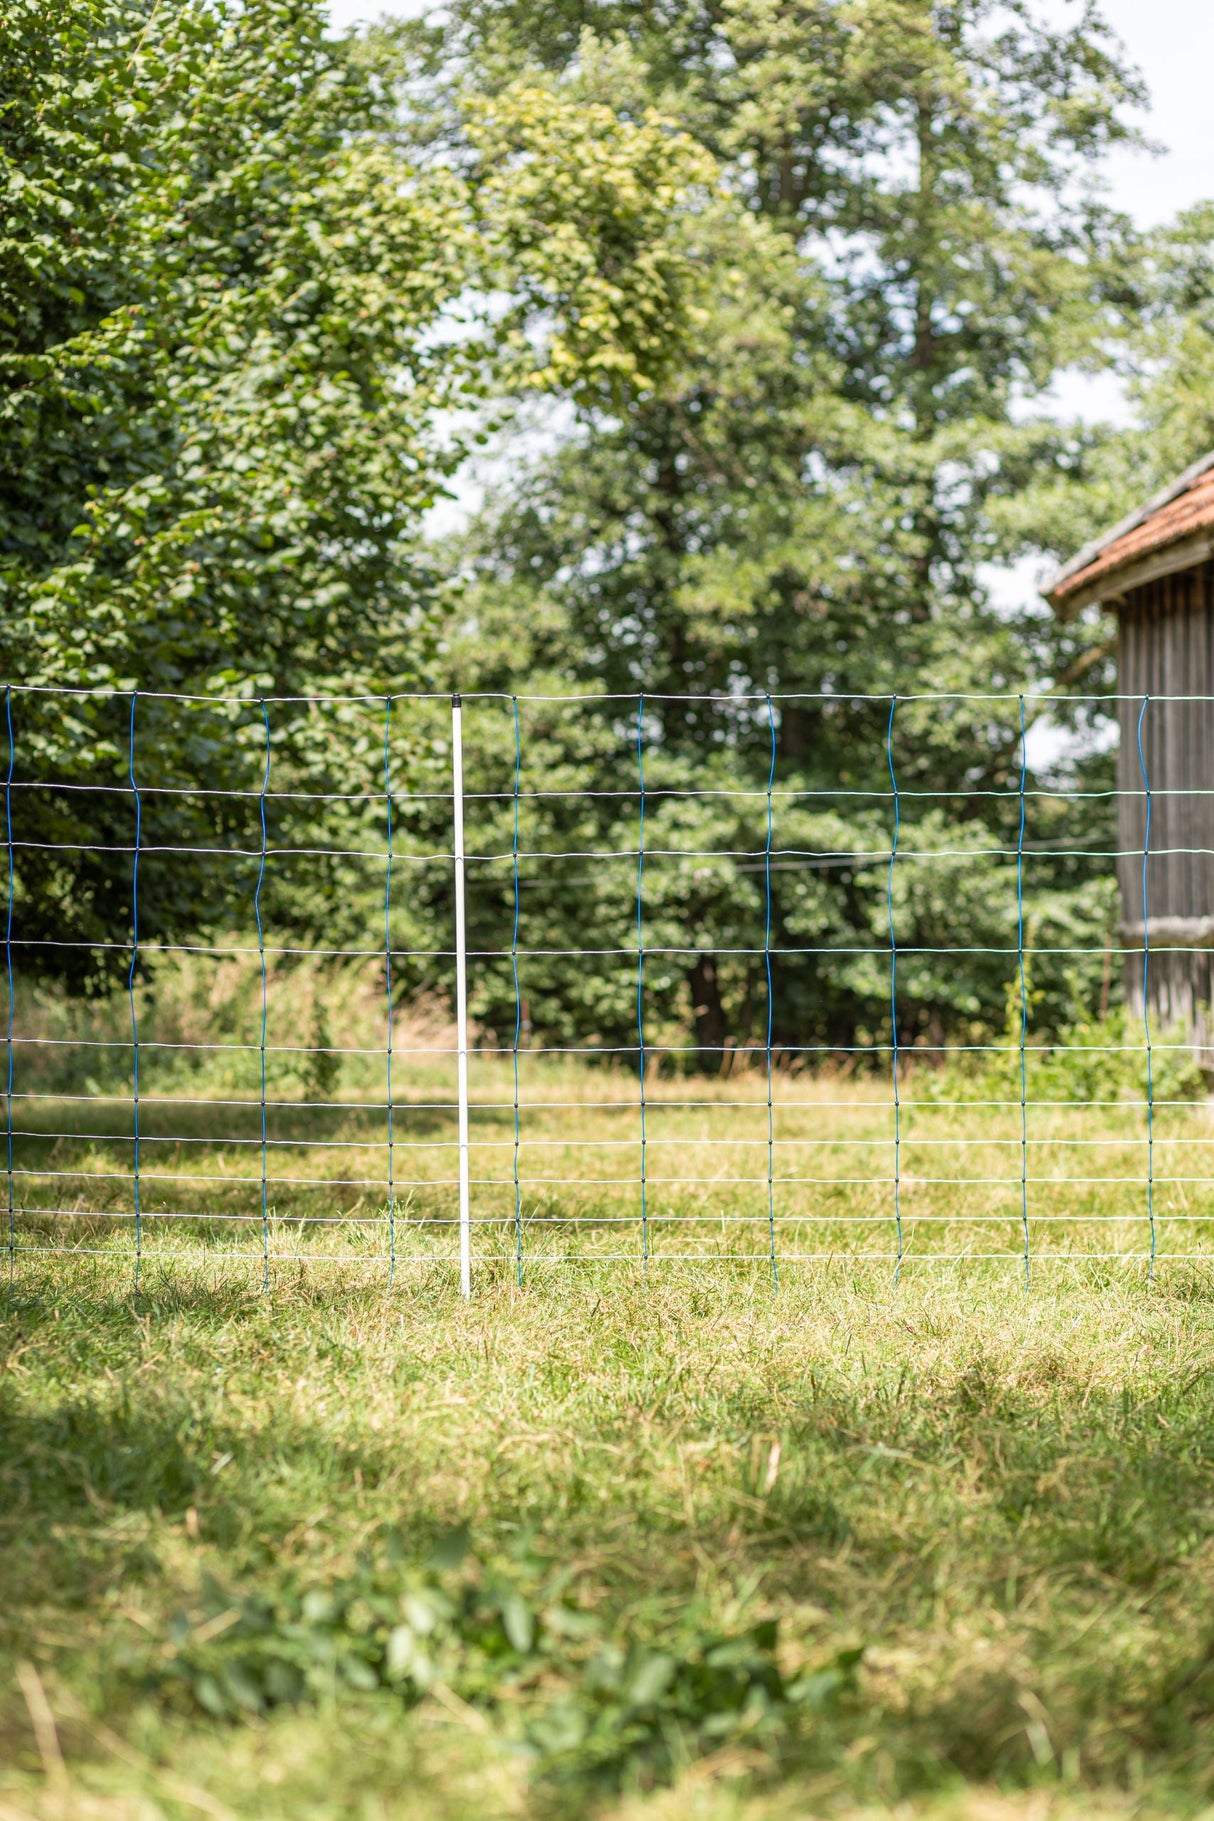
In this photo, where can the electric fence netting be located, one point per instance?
(489, 985)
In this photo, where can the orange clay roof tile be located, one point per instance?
(1178, 513)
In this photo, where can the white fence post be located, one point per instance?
(461, 996)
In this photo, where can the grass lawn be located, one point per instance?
(594, 1545)
(218, 1505)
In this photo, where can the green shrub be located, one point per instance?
(584, 1698)
(1094, 1060)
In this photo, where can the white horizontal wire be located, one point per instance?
(594, 1221)
(582, 1142)
(380, 1262)
(404, 798)
(616, 1106)
(251, 795)
(294, 1144)
(403, 1213)
(236, 1181)
(223, 950)
(317, 1220)
(487, 1051)
(596, 1182)
(254, 1104)
(860, 856)
(593, 698)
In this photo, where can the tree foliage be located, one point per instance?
(806, 505)
(1172, 364)
(802, 279)
(235, 315)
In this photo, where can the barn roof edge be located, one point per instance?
(1067, 580)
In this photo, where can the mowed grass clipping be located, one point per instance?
(593, 1547)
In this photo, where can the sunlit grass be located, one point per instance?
(1003, 1498)
(831, 1184)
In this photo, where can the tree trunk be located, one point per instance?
(708, 1014)
(923, 351)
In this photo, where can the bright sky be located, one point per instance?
(1172, 42)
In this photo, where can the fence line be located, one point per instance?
(461, 997)
(893, 988)
(1024, 1004)
(771, 1129)
(390, 1030)
(265, 989)
(641, 979)
(130, 986)
(8, 966)
(792, 1076)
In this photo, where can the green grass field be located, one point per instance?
(707, 1159)
(1004, 1503)
(605, 1544)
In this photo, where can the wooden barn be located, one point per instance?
(1156, 570)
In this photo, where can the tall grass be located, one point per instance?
(965, 1158)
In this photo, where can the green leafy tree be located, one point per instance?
(1172, 356)
(217, 298)
(235, 306)
(804, 506)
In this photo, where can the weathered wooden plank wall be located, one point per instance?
(1167, 651)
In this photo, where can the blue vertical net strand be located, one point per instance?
(1024, 1002)
(771, 1123)
(641, 979)
(893, 985)
(261, 956)
(388, 992)
(8, 962)
(130, 986)
(1146, 980)
(518, 1002)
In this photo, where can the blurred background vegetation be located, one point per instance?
(785, 293)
